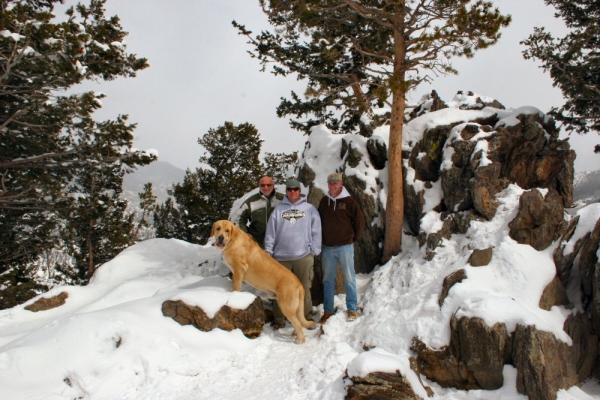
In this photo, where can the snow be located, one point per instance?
(110, 339)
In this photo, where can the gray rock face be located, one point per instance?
(250, 321)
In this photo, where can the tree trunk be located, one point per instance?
(394, 210)
(90, 251)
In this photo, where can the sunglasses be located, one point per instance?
(266, 185)
(292, 189)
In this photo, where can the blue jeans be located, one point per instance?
(330, 257)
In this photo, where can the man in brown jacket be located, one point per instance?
(342, 223)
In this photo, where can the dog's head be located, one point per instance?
(222, 231)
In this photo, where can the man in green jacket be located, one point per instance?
(256, 210)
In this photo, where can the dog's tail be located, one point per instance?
(300, 314)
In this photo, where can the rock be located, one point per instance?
(250, 320)
(532, 156)
(443, 367)
(589, 271)
(474, 359)
(378, 154)
(381, 385)
(482, 349)
(544, 364)
(430, 104)
(539, 221)
(43, 303)
(585, 344)
(564, 262)
(554, 295)
(481, 257)
(449, 281)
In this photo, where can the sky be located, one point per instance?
(200, 76)
(111, 341)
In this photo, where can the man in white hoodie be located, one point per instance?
(343, 225)
(293, 238)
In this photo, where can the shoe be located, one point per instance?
(277, 325)
(325, 317)
(351, 316)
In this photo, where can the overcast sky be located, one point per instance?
(200, 76)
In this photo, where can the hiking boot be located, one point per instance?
(325, 317)
(351, 316)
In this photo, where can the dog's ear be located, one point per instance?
(233, 228)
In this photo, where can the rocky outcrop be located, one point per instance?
(477, 353)
(481, 157)
(43, 303)
(481, 257)
(250, 321)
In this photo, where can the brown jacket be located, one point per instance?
(342, 220)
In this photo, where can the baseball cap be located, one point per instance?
(335, 177)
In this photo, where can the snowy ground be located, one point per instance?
(111, 341)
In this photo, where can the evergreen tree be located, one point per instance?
(280, 166)
(147, 207)
(50, 141)
(206, 195)
(573, 62)
(386, 47)
(98, 228)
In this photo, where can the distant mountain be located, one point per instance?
(161, 174)
(586, 187)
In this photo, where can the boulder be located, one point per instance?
(481, 257)
(539, 221)
(381, 385)
(554, 295)
(544, 364)
(250, 321)
(43, 303)
(474, 359)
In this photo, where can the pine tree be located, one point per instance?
(573, 62)
(46, 139)
(386, 48)
(280, 166)
(147, 207)
(232, 168)
(99, 227)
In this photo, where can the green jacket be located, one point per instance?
(255, 213)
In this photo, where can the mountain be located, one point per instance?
(161, 174)
(586, 187)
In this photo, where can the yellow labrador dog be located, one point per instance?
(251, 264)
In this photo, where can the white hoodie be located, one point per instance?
(293, 230)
